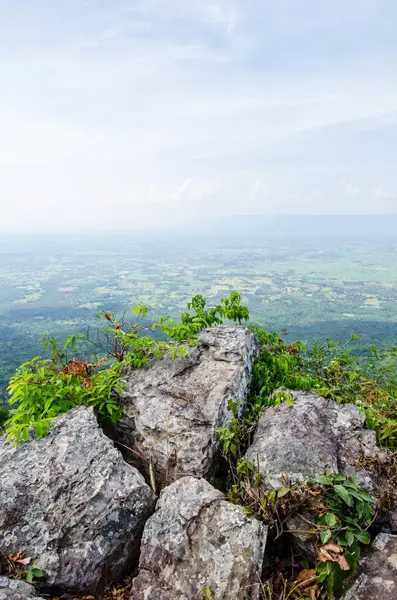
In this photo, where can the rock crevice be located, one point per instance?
(172, 410)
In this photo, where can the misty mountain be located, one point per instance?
(306, 227)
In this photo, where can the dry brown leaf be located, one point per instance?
(313, 492)
(332, 548)
(306, 577)
(15, 557)
(24, 561)
(344, 565)
(313, 593)
(254, 492)
(333, 553)
(78, 368)
(324, 556)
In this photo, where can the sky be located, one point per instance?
(140, 114)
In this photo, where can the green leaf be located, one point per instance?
(330, 519)
(352, 555)
(283, 492)
(334, 581)
(323, 571)
(37, 572)
(362, 536)
(349, 537)
(325, 535)
(344, 494)
(323, 479)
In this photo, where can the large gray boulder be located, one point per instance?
(308, 438)
(11, 589)
(70, 502)
(172, 410)
(196, 539)
(377, 572)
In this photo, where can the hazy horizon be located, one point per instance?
(251, 226)
(149, 115)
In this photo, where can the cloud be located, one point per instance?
(184, 107)
(218, 14)
(381, 193)
(352, 191)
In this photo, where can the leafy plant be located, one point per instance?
(31, 573)
(278, 365)
(332, 370)
(23, 567)
(341, 511)
(198, 317)
(130, 347)
(44, 388)
(341, 528)
(208, 594)
(369, 382)
(232, 434)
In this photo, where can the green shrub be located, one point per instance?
(341, 528)
(279, 365)
(368, 382)
(44, 388)
(343, 509)
(199, 317)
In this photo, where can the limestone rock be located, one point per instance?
(172, 410)
(71, 502)
(310, 437)
(196, 539)
(11, 589)
(377, 572)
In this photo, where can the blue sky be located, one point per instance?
(142, 113)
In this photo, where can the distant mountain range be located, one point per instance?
(310, 227)
(238, 228)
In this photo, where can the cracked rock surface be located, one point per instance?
(196, 539)
(172, 410)
(10, 589)
(310, 437)
(70, 501)
(377, 571)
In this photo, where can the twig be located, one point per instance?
(131, 450)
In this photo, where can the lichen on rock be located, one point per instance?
(72, 503)
(197, 540)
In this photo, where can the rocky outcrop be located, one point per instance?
(172, 410)
(377, 572)
(304, 439)
(10, 589)
(195, 540)
(308, 438)
(70, 502)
